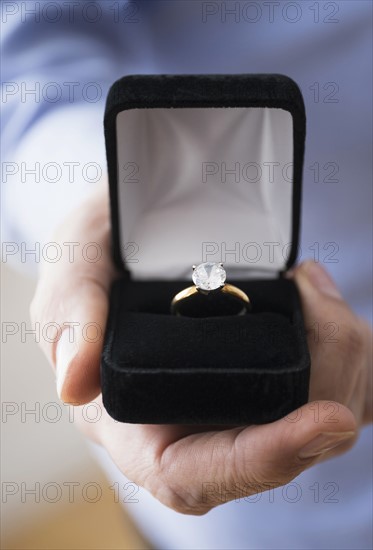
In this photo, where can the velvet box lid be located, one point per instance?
(204, 168)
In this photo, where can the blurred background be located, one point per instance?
(54, 495)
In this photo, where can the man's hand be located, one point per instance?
(192, 469)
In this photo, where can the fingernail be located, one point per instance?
(323, 443)
(67, 348)
(321, 279)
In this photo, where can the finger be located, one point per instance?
(79, 349)
(320, 295)
(336, 340)
(204, 470)
(73, 296)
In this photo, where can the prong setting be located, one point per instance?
(209, 276)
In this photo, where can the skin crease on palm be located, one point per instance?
(176, 462)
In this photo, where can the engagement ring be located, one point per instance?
(209, 280)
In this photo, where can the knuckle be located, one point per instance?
(180, 499)
(181, 494)
(184, 503)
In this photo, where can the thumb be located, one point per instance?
(222, 466)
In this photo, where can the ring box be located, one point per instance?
(204, 168)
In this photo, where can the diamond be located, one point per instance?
(209, 276)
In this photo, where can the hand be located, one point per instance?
(192, 469)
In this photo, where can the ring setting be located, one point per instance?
(209, 276)
(209, 280)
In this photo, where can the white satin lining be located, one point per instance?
(175, 211)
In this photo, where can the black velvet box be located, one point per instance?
(204, 168)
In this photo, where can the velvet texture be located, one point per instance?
(223, 369)
(158, 368)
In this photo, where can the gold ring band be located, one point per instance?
(223, 287)
(227, 288)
